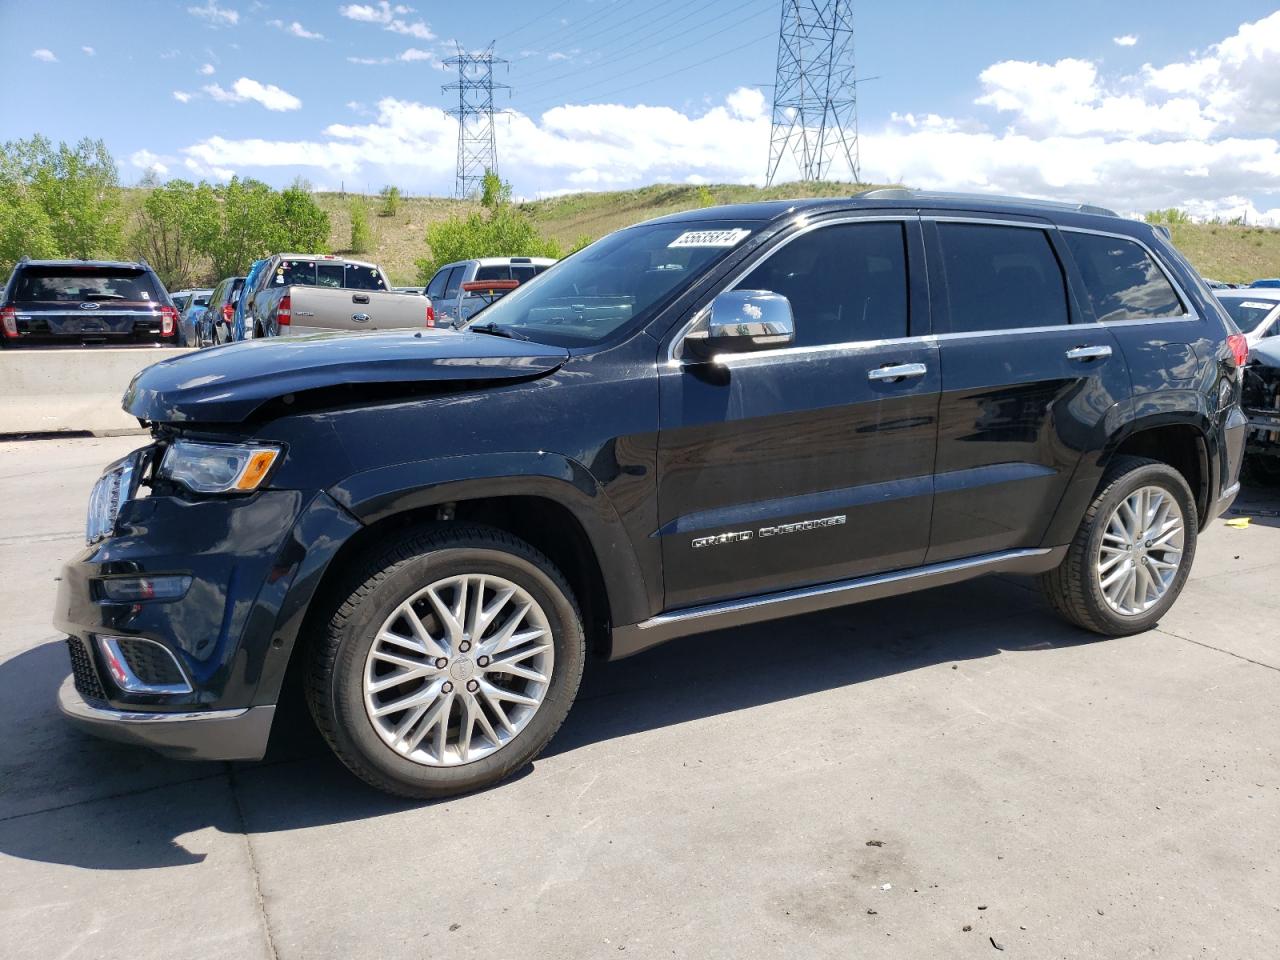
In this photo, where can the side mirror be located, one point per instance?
(744, 320)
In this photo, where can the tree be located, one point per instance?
(303, 226)
(390, 201)
(361, 235)
(500, 230)
(177, 225)
(76, 191)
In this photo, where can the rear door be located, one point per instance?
(1027, 383)
(806, 464)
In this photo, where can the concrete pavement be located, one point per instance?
(716, 797)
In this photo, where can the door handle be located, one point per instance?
(360, 317)
(897, 371)
(1089, 353)
(359, 298)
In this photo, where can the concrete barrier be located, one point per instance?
(61, 390)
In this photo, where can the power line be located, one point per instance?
(560, 35)
(667, 56)
(641, 43)
(538, 19)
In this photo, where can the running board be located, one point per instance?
(633, 638)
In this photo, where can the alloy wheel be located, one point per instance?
(458, 670)
(1141, 551)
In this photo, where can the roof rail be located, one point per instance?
(904, 193)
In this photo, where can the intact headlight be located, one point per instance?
(218, 467)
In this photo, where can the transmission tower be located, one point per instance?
(477, 146)
(815, 98)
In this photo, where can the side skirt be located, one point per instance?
(633, 638)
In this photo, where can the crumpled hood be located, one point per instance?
(227, 384)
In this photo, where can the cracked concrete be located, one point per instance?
(711, 798)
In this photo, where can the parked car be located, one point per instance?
(190, 310)
(308, 293)
(1256, 312)
(418, 291)
(712, 419)
(86, 302)
(1273, 282)
(217, 322)
(1261, 401)
(1220, 284)
(460, 290)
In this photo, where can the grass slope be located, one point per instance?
(1231, 253)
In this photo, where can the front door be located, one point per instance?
(1027, 383)
(810, 463)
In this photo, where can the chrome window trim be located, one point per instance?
(693, 321)
(1190, 315)
(989, 221)
(852, 346)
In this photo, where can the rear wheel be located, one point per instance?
(1133, 552)
(451, 662)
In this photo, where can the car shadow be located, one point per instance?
(126, 809)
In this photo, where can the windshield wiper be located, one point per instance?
(492, 328)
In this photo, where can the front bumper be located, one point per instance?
(196, 735)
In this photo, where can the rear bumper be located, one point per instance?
(197, 735)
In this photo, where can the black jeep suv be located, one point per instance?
(706, 420)
(86, 302)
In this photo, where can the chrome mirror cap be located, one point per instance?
(749, 320)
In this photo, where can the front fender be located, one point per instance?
(378, 494)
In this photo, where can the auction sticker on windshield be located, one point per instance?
(710, 238)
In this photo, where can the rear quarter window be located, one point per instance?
(1121, 279)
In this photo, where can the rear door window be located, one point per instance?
(454, 281)
(1001, 278)
(74, 284)
(435, 289)
(846, 282)
(1121, 279)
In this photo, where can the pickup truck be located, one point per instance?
(297, 293)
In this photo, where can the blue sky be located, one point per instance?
(669, 90)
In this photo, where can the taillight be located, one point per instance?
(1239, 345)
(431, 314)
(228, 313)
(284, 312)
(9, 320)
(168, 321)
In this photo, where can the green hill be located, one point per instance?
(1222, 251)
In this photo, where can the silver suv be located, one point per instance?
(455, 304)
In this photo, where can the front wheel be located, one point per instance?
(452, 661)
(1132, 553)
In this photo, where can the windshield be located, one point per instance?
(1248, 313)
(616, 283)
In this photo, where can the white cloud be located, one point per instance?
(89, 51)
(412, 55)
(388, 16)
(206, 70)
(267, 94)
(44, 56)
(1128, 40)
(182, 96)
(217, 16)
(146, 160)
(295, 29)
(557, 55)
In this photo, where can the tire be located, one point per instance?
(1075, 588)
(422, 572)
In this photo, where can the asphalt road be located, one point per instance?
(915, 777)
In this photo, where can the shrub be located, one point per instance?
(390, 201)
(361, 235)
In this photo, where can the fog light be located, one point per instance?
(135, 589)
